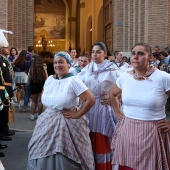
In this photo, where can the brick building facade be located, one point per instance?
(17, 16)
(129, 22)
(141, 21)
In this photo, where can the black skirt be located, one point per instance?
(37, 87)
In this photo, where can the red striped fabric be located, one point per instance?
(141, 145)
(101, 149)
(125, 168)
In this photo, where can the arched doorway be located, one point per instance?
(50, 17)
(89, 34)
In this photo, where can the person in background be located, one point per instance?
(30, 52)
(157, 49)
(99, 76)
(125, 59)
(77, 69)
(20, 73)
(84, 60)
(142, 136)
(119, 62)
(61, 139)
(37, 76)
(110, 57)
(13, 56)
(162, 66)
(164, 57)
(154, 59)
(73, 54)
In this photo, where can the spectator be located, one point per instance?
(166, 59)
(20, 75)
(37, 77)
(154, 60)
(30, 51)
(119, 62)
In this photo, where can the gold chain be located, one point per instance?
(2, 78)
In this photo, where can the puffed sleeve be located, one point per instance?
(78, 86)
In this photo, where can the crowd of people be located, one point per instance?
(96, 112)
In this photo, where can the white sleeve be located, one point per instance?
(78, 86)
(82, 74)
(119, 81)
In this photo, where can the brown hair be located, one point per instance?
(164, 53)
(13, 49)
(86, 54)
(147, 47)
(19, 62)
(37, 73)
(102, 45)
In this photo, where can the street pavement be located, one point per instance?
(17, 152)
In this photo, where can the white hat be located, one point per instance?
(3, 40)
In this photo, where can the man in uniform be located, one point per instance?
(6, 73)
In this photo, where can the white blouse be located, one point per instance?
(145, 100)
(100, 83)
(62, 94)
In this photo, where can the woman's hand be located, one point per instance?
(88, 101)
(119, 115)
(164, 125)
(105, 101)
(70, 114)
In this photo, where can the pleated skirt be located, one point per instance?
(140, 145)
(20, 78)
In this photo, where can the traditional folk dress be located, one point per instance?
(57, 142)
(99, 78)
(138, 143)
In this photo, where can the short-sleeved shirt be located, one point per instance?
(62, 94)
(11, 59)
(145, 99)
(27, 62)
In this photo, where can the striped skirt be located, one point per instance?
(102, 152)
(140, 145)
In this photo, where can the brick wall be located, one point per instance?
(133, 21)
(158, 23)
(3, 15)
(141, 21)
(20, 16)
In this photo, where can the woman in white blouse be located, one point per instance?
(142, 137)
(61, 137)
(99, 76)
